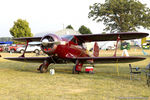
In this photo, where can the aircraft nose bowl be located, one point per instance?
(45, 42)
(49, 44)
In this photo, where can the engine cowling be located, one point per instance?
(49, 43)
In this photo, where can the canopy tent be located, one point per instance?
(7, 42)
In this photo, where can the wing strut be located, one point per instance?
(118, 39)
(25, 49)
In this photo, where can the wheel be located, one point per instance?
(12, 50)
(39, 67)
(74, 70)
(43, 69)
(22, 51)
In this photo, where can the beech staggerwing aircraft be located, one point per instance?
(70, 48)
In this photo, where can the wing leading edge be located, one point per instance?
(96, 37)
(113, 59)
(50, 59)
(29, 39)
(111, 36)
(29, 59)
(119, 59)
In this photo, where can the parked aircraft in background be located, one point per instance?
(70, 48)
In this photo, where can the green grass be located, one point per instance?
(21, 81)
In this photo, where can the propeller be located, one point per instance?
(49, 43)
(46, 42)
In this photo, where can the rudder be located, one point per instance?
(96, 50)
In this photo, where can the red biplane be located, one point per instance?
(70, 48)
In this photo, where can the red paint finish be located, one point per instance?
(79, 67)
(118, 39)
(71, 49)
(96, 50)
(88, 69)
(1, 49)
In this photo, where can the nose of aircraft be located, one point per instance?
(44, 42)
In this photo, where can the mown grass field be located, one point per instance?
(21, 81)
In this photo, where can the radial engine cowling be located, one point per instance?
(49, 43)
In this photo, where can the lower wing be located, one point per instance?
(119, 59)
(50, 59)
(29, 59)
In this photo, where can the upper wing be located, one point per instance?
(96, 37)
(29, 39)
(113, 59)
(111, 37)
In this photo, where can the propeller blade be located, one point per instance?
(46, 43)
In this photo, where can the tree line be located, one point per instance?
(21, 29)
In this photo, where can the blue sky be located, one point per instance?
(49, 15)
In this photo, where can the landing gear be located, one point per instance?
(77, 68)
(74, 71)
(43, 68)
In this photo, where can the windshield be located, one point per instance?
(67, 37)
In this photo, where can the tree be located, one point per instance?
(21, 29)
(69, 27)
(84, 30)
(121, 15)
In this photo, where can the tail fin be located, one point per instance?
(96, 50)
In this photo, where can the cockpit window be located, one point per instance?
(71, 38)
(68, 37)
(74, 40)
